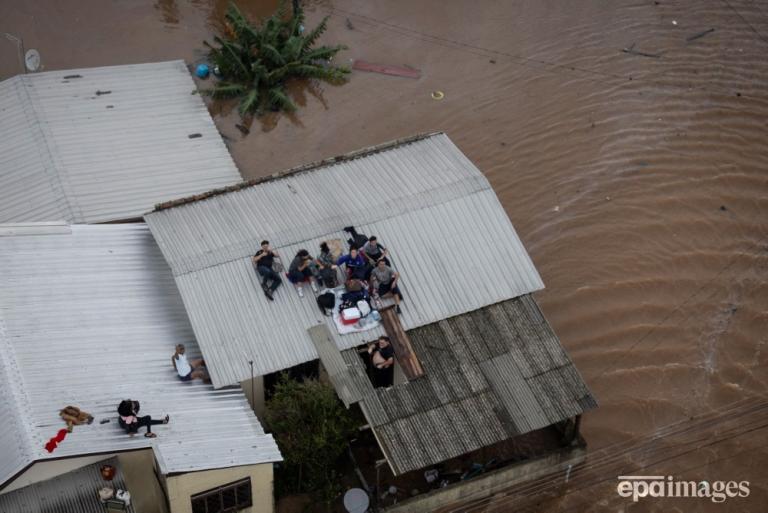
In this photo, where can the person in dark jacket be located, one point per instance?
(131, 422)
(263, 261)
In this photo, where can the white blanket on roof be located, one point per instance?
(366, 323)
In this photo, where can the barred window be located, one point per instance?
(224, 499)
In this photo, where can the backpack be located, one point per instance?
(326, 302)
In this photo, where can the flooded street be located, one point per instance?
(637, 179)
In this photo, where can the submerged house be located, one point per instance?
(478, 362)
(89, 316)
(105, 144)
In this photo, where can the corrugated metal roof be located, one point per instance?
(73, 492)
(89, 318)
(447, 233)
(490, 374)
(102, 144)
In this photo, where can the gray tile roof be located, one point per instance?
(447, 233)
(490, 374)
(102, 144)
(73, 492)
(90, 315)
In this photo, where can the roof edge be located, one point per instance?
(312, 166)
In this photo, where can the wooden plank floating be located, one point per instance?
(401, 343)
(385, 69)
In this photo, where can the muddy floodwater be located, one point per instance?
(628, 142)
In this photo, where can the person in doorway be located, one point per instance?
(383, 361)
(131, 422)
(264, 260)
(384, 280)
(188, 370)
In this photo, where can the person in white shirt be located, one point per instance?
(188, 369)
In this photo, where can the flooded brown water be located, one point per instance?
(639, 183)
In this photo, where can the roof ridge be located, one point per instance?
(312, 166)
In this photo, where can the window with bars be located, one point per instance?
(224, 499)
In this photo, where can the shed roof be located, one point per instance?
(90, 315)
(102, 144)
(447, 233)
(75, 491)
(490, 375)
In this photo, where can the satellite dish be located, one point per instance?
(32, 60)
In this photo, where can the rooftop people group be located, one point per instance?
(366, 265)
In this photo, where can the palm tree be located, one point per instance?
(255, 62)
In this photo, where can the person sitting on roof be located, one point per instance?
(131, 422)
(188, 369)
(326, 267)
(356, 265)
(374, 251)
(300, 271)
(263, 260)
(384, 280)
(383, 361)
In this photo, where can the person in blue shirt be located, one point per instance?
(356, 264)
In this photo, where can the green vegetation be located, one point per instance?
(255, 62)
(312, 428)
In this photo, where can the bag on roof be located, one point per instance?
(326, 302)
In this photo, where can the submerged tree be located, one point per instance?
(255, 62)
(311, 427)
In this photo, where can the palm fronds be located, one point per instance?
(256, 61)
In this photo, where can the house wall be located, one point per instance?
(258, 404)
(490, 483)
(181, 487)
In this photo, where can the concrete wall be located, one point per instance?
(138, 469)
(183, 486)
(258, 404)
(490, 483)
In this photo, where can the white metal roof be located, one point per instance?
(447, 233)
(89, 317)
(102, 144)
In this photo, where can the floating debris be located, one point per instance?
(699, 35)
(631, 50)
(384, 69)
(438, 95)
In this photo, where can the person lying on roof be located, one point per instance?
(384, 280)
(188, 369)
(300, 271)
(263, 260)
(356, 265)
(131, 422)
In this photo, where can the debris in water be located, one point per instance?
(674, 22)
(722, 207)
(631, 50)
(699, 35)
(384, 69)
(243, 129)
(556, 209)
(195, 136)
(492, 61)
(99, 93)
(349, 25)
(438, 95)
